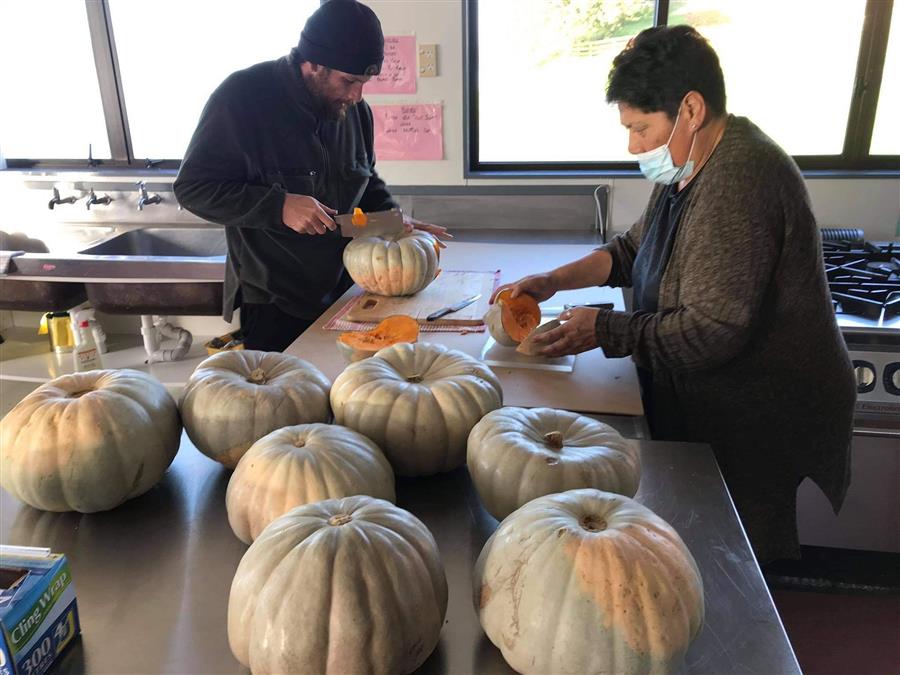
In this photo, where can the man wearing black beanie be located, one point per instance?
(280, 148)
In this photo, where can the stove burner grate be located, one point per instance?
(863, 277)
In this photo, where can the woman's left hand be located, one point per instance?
(438, 231)
(576, 335)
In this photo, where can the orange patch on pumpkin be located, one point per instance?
(642, 595)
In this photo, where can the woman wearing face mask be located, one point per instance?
(732, 329)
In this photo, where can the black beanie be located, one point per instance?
(344, 35)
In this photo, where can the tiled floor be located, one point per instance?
(842, 634)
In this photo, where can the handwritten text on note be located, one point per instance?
(409, 131)
(398, 72)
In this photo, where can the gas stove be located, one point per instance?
(864, 279)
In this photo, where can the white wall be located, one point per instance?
(871, 204)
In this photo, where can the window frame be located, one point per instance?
(854, 159)
(115, 110)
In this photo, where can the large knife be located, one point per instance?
(375, 224)
(452, 308)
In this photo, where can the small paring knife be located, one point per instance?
(452, 308)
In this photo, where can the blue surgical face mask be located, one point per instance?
(657, 164)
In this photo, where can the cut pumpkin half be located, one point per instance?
(355, 346)
(511, 320)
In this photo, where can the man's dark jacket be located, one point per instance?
(259, 138)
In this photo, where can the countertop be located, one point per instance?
(125, 351)
(596, 385)
(152, 577)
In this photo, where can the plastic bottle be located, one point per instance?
(86, 313)
(87, 356)
(99, 335)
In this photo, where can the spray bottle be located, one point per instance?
(85, 312)
(87, 357)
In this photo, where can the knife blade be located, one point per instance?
(452, 308)
(375, 224)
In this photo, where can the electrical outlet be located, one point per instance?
(428, 61)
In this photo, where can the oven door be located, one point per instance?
(870, 516)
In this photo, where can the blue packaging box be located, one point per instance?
(38, 611)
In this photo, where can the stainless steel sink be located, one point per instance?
(153, 270)
(181, 242)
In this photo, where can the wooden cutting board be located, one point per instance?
(449, 288)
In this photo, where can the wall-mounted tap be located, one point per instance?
(145, 199)
(56, 200)
(94, 199)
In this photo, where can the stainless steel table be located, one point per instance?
(153, 576)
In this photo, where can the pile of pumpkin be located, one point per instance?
(577, 578)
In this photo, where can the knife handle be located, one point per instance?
(598, 305)
(438, 314)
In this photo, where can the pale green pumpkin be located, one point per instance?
(587, 581)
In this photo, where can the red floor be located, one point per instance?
(842, 634)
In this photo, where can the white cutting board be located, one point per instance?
(450, 287)
(495, 354)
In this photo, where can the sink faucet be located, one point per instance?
(94, 199)
(146, 200)
(56, 200)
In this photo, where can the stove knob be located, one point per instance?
(892, 378)
(865, 376)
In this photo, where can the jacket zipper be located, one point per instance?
(325, 168)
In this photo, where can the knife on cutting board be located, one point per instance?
(375, 224)
(452, 308)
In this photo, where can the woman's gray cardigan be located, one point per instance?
(745, 337)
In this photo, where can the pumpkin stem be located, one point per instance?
(554, 439)
(79, 394)
(593, 524)
(340, 519)
(258, 376)
(415, 379)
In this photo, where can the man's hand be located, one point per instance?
(305, 215)
(576, 335)
(438, 231)
(539, 286)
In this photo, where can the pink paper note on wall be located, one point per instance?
(398, 72)
(412, 131)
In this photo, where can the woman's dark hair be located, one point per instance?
(659, 66)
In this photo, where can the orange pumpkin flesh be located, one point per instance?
(519, 315)
(359, 218)
(394, 329)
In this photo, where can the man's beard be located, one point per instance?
(329, 109)
(334, 110)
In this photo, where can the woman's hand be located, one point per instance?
(438, 231)
(538, 286)
(578, 333)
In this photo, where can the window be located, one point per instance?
(173, 54)
(51, 98)
(542, 67)
(537, 72)
(885, 136)
(766, 79)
